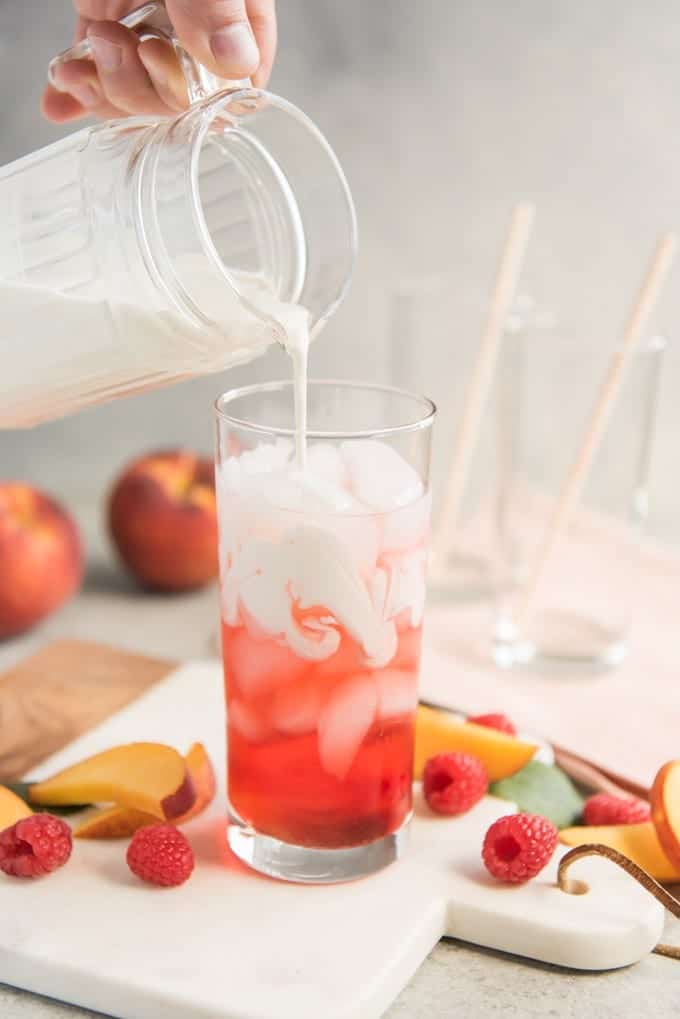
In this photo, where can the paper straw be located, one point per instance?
(478, 388)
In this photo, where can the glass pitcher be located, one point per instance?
(139, 251)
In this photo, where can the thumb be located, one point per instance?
(218, 34)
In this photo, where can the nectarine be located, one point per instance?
(121, 822)
(203, 776)
(41, 559)
(113, 823)
(163, 520)
(150, 777)
(438, 732)
(665, 803)
(12, 808)
(639, 842)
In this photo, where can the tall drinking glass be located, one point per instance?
(323, 589)
(581, 610)
(432, 344)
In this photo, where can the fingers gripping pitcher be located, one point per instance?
(143, 251)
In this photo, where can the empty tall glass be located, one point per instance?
(580, 613)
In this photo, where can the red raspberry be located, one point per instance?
(453, 783)
(495, 721)
(35, 846)
(161, 855)
(517, 847)
(603, 808)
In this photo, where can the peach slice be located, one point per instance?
(113, 823)
(121, 822)
(150, 777)
(12, 808)
(438, 732)
(665, 802)
(639, 842)
(203, 776)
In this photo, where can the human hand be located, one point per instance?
(232, 38)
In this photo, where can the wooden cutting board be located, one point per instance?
(62, 691)
(233, 945)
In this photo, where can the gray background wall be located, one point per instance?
(444, 114)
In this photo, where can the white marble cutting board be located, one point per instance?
(232, 945)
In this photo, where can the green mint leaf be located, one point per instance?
(542, 789)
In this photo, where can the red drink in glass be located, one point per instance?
(323, 586)
(321, 753)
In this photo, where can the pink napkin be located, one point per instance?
(627, 718)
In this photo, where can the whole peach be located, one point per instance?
(163, 520)
(41, 557)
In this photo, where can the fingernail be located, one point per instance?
(235, 48)
(85, 94)
(53, 79)
(157, 76)
(108, 55)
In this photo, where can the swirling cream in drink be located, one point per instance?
(323, 588)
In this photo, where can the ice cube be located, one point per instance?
(359, 534)
(406, 528)
(325, 504)
(344, 721)
(284, 502)
(302, 492)
(256, 631)
(248, 517)
(228, 475)
(324, 460)
(249, 723)
(408, 649)
(295, 707)
(397, 692)
(266, 457)
(347, 660)
(237, 472)
(326, 494)
(378, 476)
(397, 591)
(261, 666)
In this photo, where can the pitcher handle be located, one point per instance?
(153, 23)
